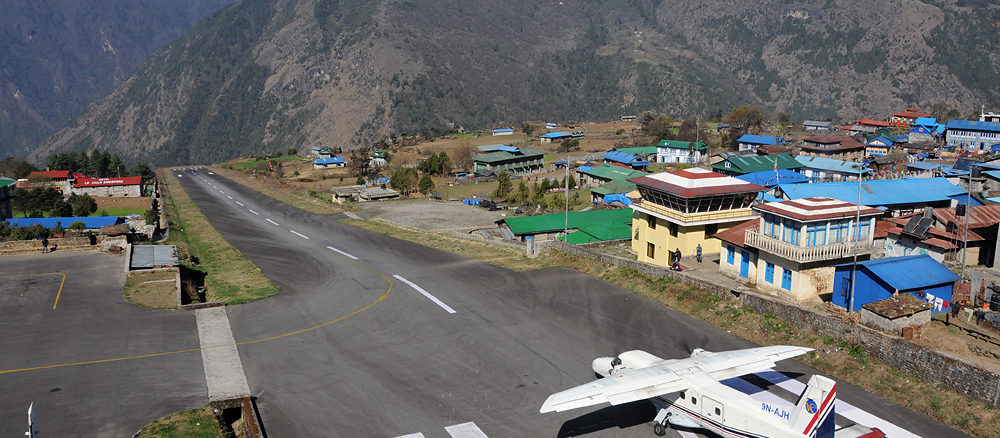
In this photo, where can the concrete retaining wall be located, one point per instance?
(929, 365)
(61, 244)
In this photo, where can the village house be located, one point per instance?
(941, 234)
(736, 259)
(832, 146)
(559, 136)
(378, 159)
(815, 125)
(920, 134)
(605, 173)
(508, 159)
(503, 131)
(906, 118)
(625, 159)
(878, 147)
(734, 166)
(876, 280)
(868, 126)
(973, 136)
(329, 163)
(647, 153)
(822, 169)
(676, 151)
(682, 209)
(61, 180)
(752, 142)
(799, 242)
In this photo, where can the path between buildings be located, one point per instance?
(223, 369)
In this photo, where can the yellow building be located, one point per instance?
(685, 208)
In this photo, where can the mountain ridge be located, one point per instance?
(270, 75)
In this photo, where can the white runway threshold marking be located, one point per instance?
(273, 222)
(299, 234)
(465, 430)
(412, 435)
(341, 253)
(842, 408)
(254, 212)
(428, 295)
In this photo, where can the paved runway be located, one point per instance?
(379, 354)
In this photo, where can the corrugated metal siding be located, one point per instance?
(149, 256)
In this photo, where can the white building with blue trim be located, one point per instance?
(972, 135)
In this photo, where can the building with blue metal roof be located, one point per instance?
(751, 141)
(972, 135)
(876, 280)
(899, 195)
(829, 169)
(770, 178)
(503, 131)
(326, 163)
(625, 158)
(89, 223)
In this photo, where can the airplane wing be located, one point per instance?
(666, 376)
(629, 386)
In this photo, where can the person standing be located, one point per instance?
(698, 253)
(45, 244)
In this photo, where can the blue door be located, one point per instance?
(744, 264)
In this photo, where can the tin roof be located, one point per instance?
(331, 160)
(909, 272)
(607, 171)
(760, 139)
(870, 122)
(677, 144)
(816, 208)
(695, 182)
(737, 234)
(641, 150)
(4, 182)
(768, 178)
(980, 216)
(878, 192)
(90, 223)
(757, 163)
(580, 220)
(831, 164)
(54, 174)
(150, 256)
(816, 123)
(843, 142)
(973, 125)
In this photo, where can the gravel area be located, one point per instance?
(427, 215)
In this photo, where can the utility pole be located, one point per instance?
(566, 180)
(857, 225)
(968, 211)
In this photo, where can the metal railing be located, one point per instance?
(805, 254)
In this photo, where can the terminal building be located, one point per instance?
(685, 208)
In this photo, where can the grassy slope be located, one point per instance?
(230, 278)
(195, 423)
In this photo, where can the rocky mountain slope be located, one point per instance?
(267, 75)
(56, 56)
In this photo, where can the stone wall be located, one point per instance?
(930, 365)
(894, 326)
(60, 244)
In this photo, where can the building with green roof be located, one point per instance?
(603, 174)
(647, 153)
(615, 187)
(6, 188)
(676, 151)
(584, 226)
(510, 159)
(734, 166)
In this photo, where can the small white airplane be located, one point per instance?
(687, 393)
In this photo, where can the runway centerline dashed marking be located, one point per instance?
(426, 294)
(341, 253)
(273, 222)
(254, 212)
(299, 234)
(230, 197)
(241, 204)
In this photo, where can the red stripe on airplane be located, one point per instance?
(821, 409)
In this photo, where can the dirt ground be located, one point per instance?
(434, 216)
(108, 202)
(952, 339)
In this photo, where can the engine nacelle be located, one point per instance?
(603, 365)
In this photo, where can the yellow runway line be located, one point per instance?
(45, 273)
(191, 350)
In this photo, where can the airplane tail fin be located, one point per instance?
(814, 413)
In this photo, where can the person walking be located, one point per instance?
(698, 253)
(45, 244)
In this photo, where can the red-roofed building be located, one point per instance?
(736, 260)
(683, 209)
(940, 234)
(870, 122)
(56, 179)
(799, 242)
(129, 186)
(906, 118)
(51, 175)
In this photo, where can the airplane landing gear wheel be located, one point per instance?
(659, 430)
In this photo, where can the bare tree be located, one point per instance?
(463, 156)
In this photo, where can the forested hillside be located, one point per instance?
(268, 75)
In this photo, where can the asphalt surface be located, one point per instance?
(388, 361)
(91, 321)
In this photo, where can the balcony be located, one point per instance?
(806, 254)
(707, 217)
